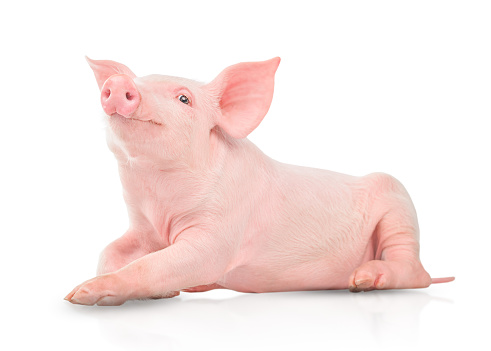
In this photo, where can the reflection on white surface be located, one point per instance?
(294, 320)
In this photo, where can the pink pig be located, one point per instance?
(208, 210)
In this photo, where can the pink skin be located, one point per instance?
(120, 95)
(207, 209)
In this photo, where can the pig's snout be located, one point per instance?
(120, 95)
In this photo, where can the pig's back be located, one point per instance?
(309, 231)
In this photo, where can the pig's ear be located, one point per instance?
(244, 92)
(103, 69)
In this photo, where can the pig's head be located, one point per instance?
(175, 120)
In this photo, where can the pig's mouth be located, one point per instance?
(136, 119)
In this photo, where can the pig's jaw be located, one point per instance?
(134, 155)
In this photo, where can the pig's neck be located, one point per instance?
(166, 198)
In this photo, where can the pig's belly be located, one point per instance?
(257, 279)
(322, 268)
(324, 274)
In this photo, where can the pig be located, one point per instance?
(208, 210)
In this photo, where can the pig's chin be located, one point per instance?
(117, 117)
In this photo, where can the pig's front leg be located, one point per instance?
(192, 261)
(123, 251)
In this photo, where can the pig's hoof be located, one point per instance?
(370, 276)
(101, 290)
(166, 295)
(379, 274)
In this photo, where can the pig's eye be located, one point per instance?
(184, 99)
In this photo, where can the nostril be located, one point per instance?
(120, 95)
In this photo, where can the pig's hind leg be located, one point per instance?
(396, 241)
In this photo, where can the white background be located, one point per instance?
(363, 86)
